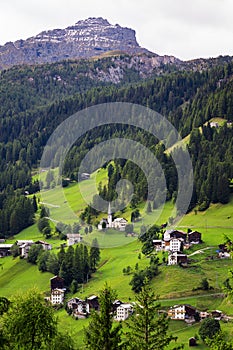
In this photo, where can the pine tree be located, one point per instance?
(86, 264)
(94, 255)
(77, 265)
(146, 329)
(34, 203)
(102, 334)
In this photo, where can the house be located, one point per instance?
(45, 245)
(5, 249)
(176, 244)
(56, 282)
(224, 255)
(82, 308)
(214, 125)
(78, 307)
(85, 176)
(24, 247)
(115, 305)
(73, 238)
(72, 303)
(159, 244)
(93, 302)
(123, 312)
(174, 234)
(175, 258)
(216, 314)
(204, 314)
(182, 312)
(119, 224)
(194, 237)
(192, 341)
(57, 296)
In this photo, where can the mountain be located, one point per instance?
(85, 39)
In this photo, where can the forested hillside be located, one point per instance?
(35, 100)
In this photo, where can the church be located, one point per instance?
(118, 223)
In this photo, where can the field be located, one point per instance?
(173, 285)
(65, 204)
(17, 275)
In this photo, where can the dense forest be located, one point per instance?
(35, 100)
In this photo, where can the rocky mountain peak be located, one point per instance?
(84, 39)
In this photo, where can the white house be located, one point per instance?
(174, 258)
(175, 244)
(73, 238)
(82, 308)
(57, 296)
(123, 312)
(119, 224)
(182, 312)
(24, 246)
(214, 124)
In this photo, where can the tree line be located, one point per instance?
(187, 98)
(74, 265)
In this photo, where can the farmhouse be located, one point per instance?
(175, 241)
(182, 312)
(194, 237)
(93, 302)
(175, 258)
(45, 245)
(24, 247)
(5, 250)
(73, 238)
(57, 296)
(56, 282)
(82, 308)
(192, 341)
(123, 312)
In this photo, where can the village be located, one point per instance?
(173, 242)
(121, 311)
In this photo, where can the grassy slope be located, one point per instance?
(65, 204)
(216, 221)
(17, 275)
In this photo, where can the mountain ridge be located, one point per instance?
(87, 38)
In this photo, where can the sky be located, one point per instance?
(186, 29)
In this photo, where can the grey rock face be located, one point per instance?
(87, 38)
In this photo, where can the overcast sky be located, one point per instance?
(184, 28)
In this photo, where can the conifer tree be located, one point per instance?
(146, 330)
(94, 255)
(102, 334)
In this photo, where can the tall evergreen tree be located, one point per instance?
(94, 255)
(102, 334)
(146, 330)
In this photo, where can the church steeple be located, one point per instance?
(109, 209)
(109, 215)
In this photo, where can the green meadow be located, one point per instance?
(173, 285)
(16, 275)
